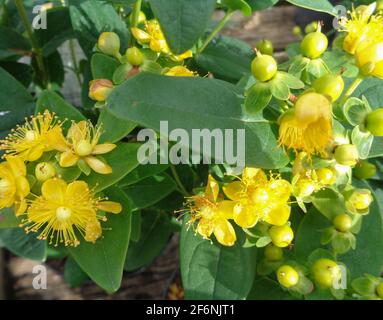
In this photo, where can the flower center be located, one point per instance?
(83, 148)
(4, 187)
(30, 135)
(63, 214)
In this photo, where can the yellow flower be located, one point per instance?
(155, 39)
(362, 28)
(259, 199)
(31, 140)
(14, 186)
(370, 59)
(308, 127)
(82, 144)
(359, 201)
(180, 71)
(213, 216)
(65, 211)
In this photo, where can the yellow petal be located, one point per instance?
(226, 209)
(17, 166)
(77, 188)
(21, 208)
(98, 166)
(54, 190)
(140, 35)
(22, 186)
(234, 190)
(93, 230)
(68, 159)
(110, 206)
(35, 153)
(56, 139)
(103, 148)
(280, 190)
(78, 131)
(278, 216)
(205, 228)
(254, 176)
(245, 216)
(224, 232)
(212, 189)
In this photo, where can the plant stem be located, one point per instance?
(32, 39)
(181, 187)
(351, 89)
(216, 30)
(76, 68)
(136, 13)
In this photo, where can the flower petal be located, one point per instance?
(56, 139)
(68, 159)
(54, 190)
(205, 228)
(245, 216)
(16, 165)
(110, 206)
(35, 153)
(22, 186)
(212, 189)
(226, 209)
(278, 216)
(98, 166)
(77, 188)
(103, 148)
(224, 232)
(234, 190)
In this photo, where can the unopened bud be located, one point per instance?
(346, 155)
(100, 89)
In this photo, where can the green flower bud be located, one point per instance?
(346, 155)
(273, 253)
(134, 56)
(342, 222)
(109, 43)
(265, 47)
(365, 170)
(44, 171)
(374, 122)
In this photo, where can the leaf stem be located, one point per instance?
(352, 89)
(216, 30)
(136, 13)
(181, 187)
(76, 69)
(32, 39)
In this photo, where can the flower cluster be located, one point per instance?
(251, 199)
(58, 210)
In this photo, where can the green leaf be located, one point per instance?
(123, 160)
(212, 271)
(16, 104)
(90, 18)
(50, 100)
(321, 201)
(73, 274)
(183, 21)
(142, 172)
(289, 80)
(149, 191)
(267, 289)
(21, 71)
(241, 5)
(114, 128)
(376, 148)
(155, 235)
(59, 29)
(279, 89)
(257, 5)
(227, 57)
(104, 260)
(12, 43)
(22, 244)
(257, 98)
(316, 5)
(8, 219)
(368, 255)
(136, 226)
(196, 103)
(103, 66)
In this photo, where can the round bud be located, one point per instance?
(287, 276)
(297, 31)
(44, 171)
(326, 272)
(273, 253)
(374, 122)
(379, 290)
(314, 45)
(134, 56)
(365, 170)
(281, 236)
(346, 155)
(311, 27)
(100, 89)
(326, 176)
(264, 67)
(141, 18)
(342, 222)
(109, 43)
(360, 199)
(330, 85)
(265, 47)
